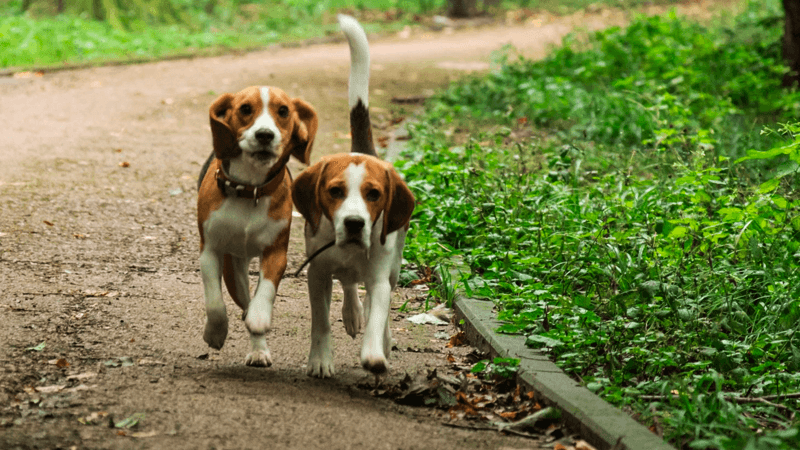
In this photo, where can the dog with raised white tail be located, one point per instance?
(357, 210)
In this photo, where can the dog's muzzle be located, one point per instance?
(354, 231)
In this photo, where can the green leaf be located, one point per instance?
(36, 348)
(480, 366)
(769, 186)
(678, 232)
(769, 154)
(130, 422)
(535, 339)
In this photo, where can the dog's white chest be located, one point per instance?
(241, 229)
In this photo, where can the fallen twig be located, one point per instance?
(410, 100)
(766, 399)
(491, 428)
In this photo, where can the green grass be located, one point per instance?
(631, 204)
(42, 38)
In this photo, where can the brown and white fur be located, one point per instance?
(360, 203)
(254, 133)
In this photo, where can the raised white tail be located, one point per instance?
(358, 88)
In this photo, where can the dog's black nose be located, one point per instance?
(353, 225)
(264, 137)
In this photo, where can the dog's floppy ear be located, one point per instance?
(305, 130)
(399, 204)
(224, 138)
(305, 194)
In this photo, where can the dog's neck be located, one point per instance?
(246, 169)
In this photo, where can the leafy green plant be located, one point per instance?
(446, 289)
(628, 224)
(791, 151)
(498, 367)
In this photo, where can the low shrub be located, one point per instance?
(616, 208)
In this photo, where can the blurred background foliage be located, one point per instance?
(46, 33)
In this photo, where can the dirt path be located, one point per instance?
(99, 247)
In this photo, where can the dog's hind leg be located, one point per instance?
(235, 273)
(352, 311)
(320, 357)
(216, 329)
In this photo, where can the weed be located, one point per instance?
(498, 367)
(626, 222)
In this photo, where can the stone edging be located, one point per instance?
(600, 423)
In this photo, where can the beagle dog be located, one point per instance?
(357, 211)
(244, 206)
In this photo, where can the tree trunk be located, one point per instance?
(791, 41)
(463, 8)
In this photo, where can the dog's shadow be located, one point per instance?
(288, 382)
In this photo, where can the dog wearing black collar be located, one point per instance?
(244, 206)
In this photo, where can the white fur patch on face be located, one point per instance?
(353, 209)
(264, 134)
(260, 146)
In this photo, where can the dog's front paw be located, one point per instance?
(320, 362)
(216, 329)
(258, 358)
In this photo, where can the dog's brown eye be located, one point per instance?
(373, 195)
(283, 111)
(246, 109)
(336, 192)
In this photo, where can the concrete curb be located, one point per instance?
(600, 423)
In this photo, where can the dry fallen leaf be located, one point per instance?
(37, 74)
(80, 387)
(93, 418)
(82, 376)
(150, 362)
(48, 223)
(457, 340)
(60, 363)
(144, 434)
(339, 135)
(50, 389)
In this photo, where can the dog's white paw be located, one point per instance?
(216, 329)
(376, 364)
(320, 362)
(352, 316)
(258, 358)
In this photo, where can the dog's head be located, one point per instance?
(352, 191)
(263, 125)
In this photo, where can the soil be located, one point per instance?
(101, 304)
